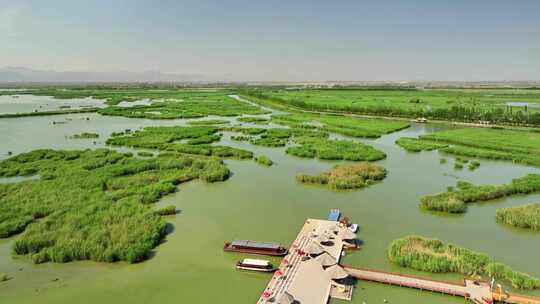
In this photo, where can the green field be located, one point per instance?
(499, 106)
(351, 126)
(519, 146)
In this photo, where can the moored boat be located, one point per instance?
(421, 120)
(255, 265)
(353, 227)
(253, 247)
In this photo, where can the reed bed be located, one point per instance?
(334, 150)
(417, 145)
(527, 216)
(92, 204)
(454, 201)
(350, 176)
(433, 255)
(188, 140)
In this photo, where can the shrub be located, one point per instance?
(264, 160)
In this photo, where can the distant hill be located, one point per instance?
(22, 74)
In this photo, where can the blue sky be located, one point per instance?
(278, 40)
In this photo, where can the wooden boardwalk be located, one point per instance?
(475, 291)
(305, 279)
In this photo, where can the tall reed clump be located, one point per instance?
(433, 255)
(342, 177)
(167, 210)
(264, 160)
(527, 216)
(92, 204)
(454, 201)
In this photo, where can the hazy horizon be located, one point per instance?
(277, 41)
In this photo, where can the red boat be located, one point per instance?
(263, 248)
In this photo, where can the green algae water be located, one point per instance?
(266, 204)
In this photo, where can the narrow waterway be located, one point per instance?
(265, 204)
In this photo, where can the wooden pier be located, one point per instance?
(311, 273)
(306, 279)
(476, 291)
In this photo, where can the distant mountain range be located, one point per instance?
(22, 74)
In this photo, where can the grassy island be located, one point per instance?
(264, 160)
(188, 140)
(433, 255)
(417, 145)
(341, 177)
(454, 201)
(334, 150)
(92, 204)
(350, 126)
(527, 216)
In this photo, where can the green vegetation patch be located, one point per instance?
(454, 201)
(346, 125)
(92, 205)
(417, 145)
(167, 210)
(254, 120)
(433, 255)
(334, 150)
(351, 176)
(527, 216)
(188, 140)
(279, 137)
(84, 135)
(264, 160)
(519, 146)
(208, 122)
(186, 105)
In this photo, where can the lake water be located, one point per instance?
(10, 104)
(265, 204)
